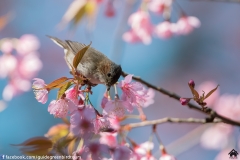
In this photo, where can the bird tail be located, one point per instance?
(59, 42)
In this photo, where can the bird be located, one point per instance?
(94, 65)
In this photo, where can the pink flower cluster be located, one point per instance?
(98, 150)
(108, 148)
(142, 29)
(85, 120)
(133, 95)
(19, 63)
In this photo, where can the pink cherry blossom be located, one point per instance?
(131, 37)
(133, 92)
(9, 92)
(143, 151)
(21, 85)
(29, 65)
(219, 136)
(158, 6)
(122, 152)
(72, 94)
(223, 155)
(144, 148)
(228, 106)
(27, 44)
(165, 29)
(167, 157)
(117, 108)
(8, 63)
(81, 154)
(101, 123)
(81, 121)
(97, 150)
(109, 139)
(60, 108)
(7, 46)
(20, 68)
(41, 93)
(114, 122)
(141, 28)
(149, 98)
(15, 87)
(104, 100)
(185, 25)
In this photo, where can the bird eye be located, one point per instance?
(109, 74)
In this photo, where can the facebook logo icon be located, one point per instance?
(1, 156)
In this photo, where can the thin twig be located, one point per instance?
(209, 111)
(172, 120)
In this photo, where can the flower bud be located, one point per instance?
(110, 12)
(184, 101)
(191, 83)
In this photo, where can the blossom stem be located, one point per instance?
(161, 146)
(171, 120)
(116, 92)
(209, 111)
(181, 9)
(141, 113)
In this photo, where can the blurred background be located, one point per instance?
(209, 53)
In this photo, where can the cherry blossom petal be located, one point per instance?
(41, 94)
(27, 44)
(109, 139)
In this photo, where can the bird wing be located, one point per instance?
(75, 47)
(59, 42)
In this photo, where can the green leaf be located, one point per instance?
(79, 56)
(56, 82)
(194, 92)
(62, 90)
(211, 92)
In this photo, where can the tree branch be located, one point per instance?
(172, 120)
(209, 111)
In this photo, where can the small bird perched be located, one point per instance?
(94, 65)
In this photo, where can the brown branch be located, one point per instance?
(209, 111)
(172, 120)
